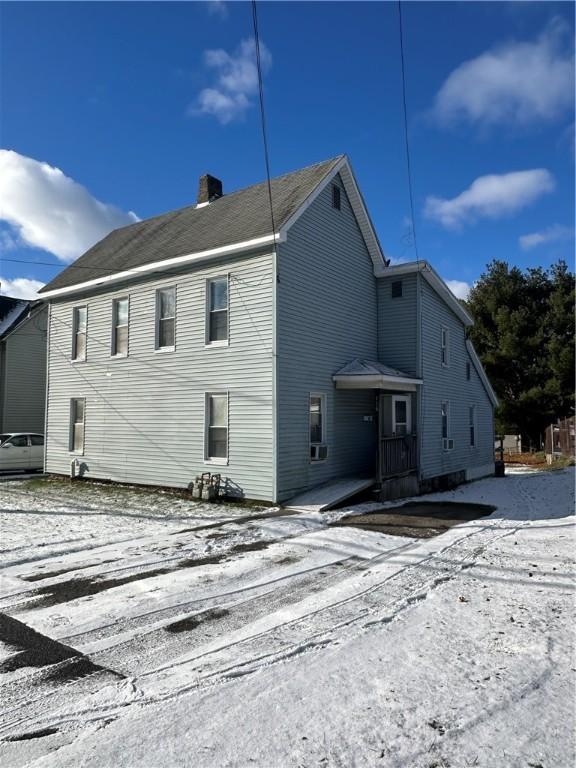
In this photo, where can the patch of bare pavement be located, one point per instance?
(418, 520)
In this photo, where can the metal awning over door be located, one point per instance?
(369, 374)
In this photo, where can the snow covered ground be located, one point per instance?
(169, 633)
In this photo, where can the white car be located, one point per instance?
(21, 451)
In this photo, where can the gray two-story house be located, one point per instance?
(281, 357)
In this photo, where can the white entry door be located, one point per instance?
(401, 415)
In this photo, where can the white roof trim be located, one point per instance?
(344, 168)
(433, 279)
(158, 266)
(482, 373)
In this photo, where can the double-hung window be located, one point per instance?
(79, 330)
(216, 419)
(120, 327)
(445, 347)
(165, 318)
(472, 425)
(77, 419)
(447, 442)
(317, 422)
(316, 419)
(217, 311)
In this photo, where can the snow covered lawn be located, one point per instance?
(145, 630)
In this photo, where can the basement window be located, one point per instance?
(336, 201)
(397, 289)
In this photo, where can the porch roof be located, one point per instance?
(371, 374)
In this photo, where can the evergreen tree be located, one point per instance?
(524, 335)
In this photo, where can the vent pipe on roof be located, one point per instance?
(209, 188)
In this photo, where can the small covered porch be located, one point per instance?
(397, 405)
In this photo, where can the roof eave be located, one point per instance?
(165, 264)
(482, 374)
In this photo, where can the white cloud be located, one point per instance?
(459, 288)
(217, 8)
(236, 81)
(516, 83)
(20, 287)
(51, 211)
(551, 234)
(490, 197)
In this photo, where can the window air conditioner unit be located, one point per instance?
(447, 443)
(318, 452)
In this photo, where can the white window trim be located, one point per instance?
(215, 461)
(448, 424)
(408, 400)
(157, 319)
(474, 424)
(113, 354)
(223, 342)
(71, 418)
(323, 411)
(446, 346)
(73, 357)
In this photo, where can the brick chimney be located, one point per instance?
(209, 188)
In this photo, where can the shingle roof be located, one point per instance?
(234, 218)
(359, 367)
(11, 310)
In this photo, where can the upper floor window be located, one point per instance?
(165, 318)
(336, 197)
(120, 327)
(445, 347)
(79, 328)
(397, 289)
(217, 311)
(468, 371)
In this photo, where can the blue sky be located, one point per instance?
(132, 102)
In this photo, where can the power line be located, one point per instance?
(408, 164)
(51, 264)
(263, 115)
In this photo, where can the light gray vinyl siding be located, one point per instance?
(23, 375)
(326, 316)
(144, 419)
(450, 384)
(397, 324)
